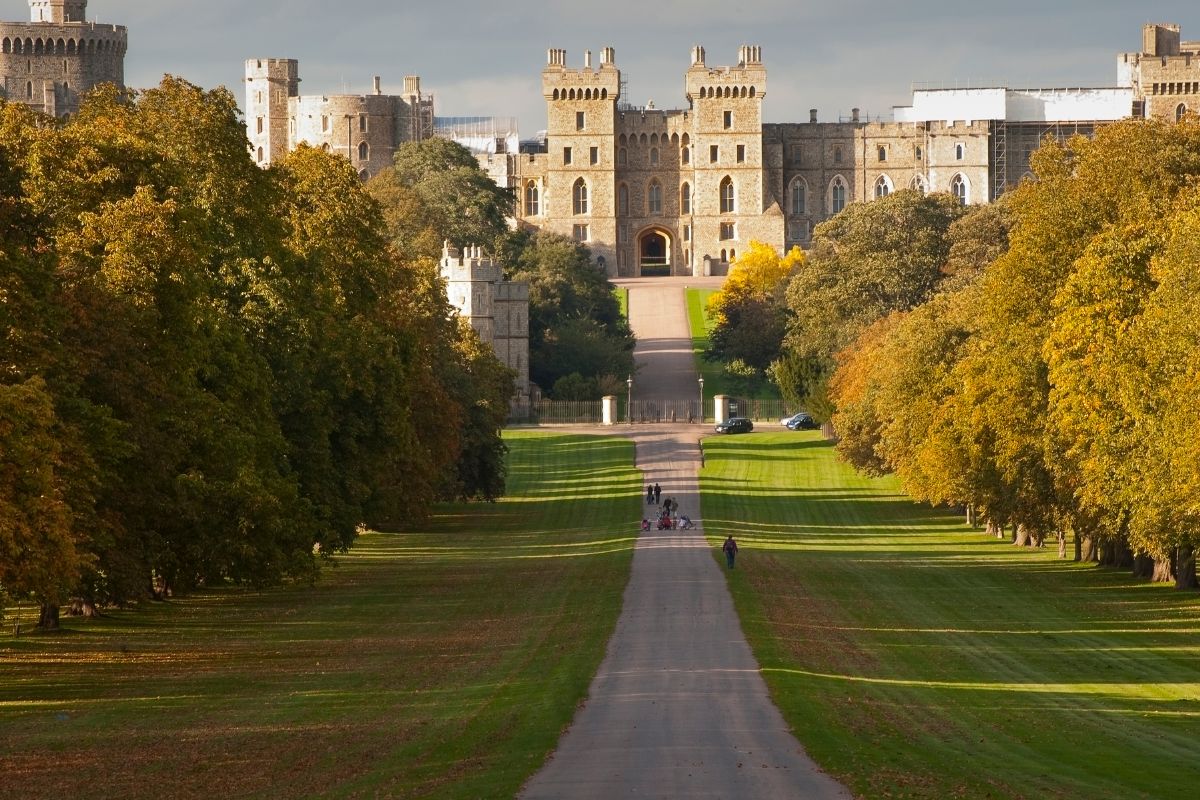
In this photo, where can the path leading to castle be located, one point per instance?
(678, 708)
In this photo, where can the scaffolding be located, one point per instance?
(999, 158)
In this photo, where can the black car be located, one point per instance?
(735, 425)
(802, 422)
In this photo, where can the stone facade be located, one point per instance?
(365, 128)
(681, 191)
(49, 62)
(1165, 75)
(497, 309)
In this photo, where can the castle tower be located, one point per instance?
(1164, 76)
(497, 309)
(58, 11)
(270, 85)
(727, 157)
(49, 62)
(581, 111)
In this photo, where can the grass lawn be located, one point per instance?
(622, 294)
(436, 664)
(916, 658)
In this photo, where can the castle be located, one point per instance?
(49, 62)
(367, 129)
(497, 309)
(680, 191)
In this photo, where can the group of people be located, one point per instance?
(670, 519)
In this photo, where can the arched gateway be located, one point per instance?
(654, 252)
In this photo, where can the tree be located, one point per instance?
(575, 323)
(437, 192)
(749, 313)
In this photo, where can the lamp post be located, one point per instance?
(701, 400)
(629, 399)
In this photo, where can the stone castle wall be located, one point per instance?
(50, 62)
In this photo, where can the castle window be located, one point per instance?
(362, 123)
(883, 186)
(741, 154)
(1180, 112)
(960, 189)
(724, 256)
(732, 255)
(654, 198)
(364, 151)
(623, 200)
(917, 152)
(685, 199)
(292, 126)
(324, 124)
(532, 200)
(687, 233)
(566, 155)
(580, 233)
(728, 120)
(260, 124)
(594, 155)
(728, 231)
(260, 155)
(882, 153)
(918, 184)
(363, 175)
(580, 120)
(837, 154)
(579, 195)
(728, 197)
(653, 156)
(714, 153)
(685, 155)
(798, 197)
(837, 194)
(622, 157)
(959, 152)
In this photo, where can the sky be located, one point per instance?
(485, 58)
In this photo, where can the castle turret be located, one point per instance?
(58, 11)
(270, 84)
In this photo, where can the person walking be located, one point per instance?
(649, 494)
(730, 548)
(657, 493)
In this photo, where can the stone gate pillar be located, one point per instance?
(609, 409)
(721, 407)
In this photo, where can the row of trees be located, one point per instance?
(1055, 391)
(1035, 360)
(211, 372)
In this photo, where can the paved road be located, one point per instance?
(678, 708)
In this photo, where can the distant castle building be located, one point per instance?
(681, 191)
(49, 62)
(497, 309)
(367, 129)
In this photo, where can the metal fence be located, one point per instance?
(591, 412)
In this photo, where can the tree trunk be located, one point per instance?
(1021, 535)
(1143, 566)
(1185, 567)
(48, 617)
(994, 529)
(1085, 546)
(1062, 544)
(1164, 569)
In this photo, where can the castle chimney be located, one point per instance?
(412, 85)
(812, 115)
(607, 56)
(854, 115)
(697, 56)
(743, 55)
(378, 88)
(587, 59)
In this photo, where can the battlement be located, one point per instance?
(471, 265)
(559, 82)
(747, 79)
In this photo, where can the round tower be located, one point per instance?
(49, 62)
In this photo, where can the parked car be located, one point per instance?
(735, 425)
(798, 416)
(802, 422)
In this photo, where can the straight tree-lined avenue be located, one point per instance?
(678, 707)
